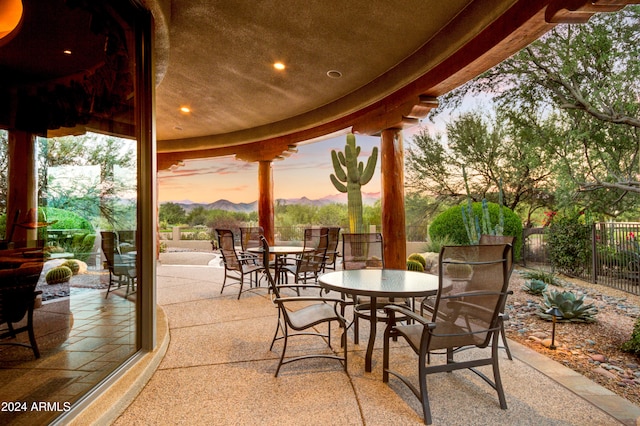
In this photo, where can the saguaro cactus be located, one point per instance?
(349, 177)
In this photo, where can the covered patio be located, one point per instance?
(215, 367)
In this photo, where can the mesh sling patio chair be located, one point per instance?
(332, 249)
(17, 298)
(310, 239)
(122, 269)
(466, 314)
(509, 241)
(308, 265)
(428, 302)
(236, 265)
(250, 238)
(365, 251)
(294, 320)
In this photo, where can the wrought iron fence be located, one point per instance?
(614, 260)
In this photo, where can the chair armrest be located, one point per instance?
(408, 313)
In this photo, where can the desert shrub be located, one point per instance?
(449, 224)
(633, 344)
(436, 243)
(569, 243)
(65, 219)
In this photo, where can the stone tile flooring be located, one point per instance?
(81, 338)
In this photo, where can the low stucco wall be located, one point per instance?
(205, 245)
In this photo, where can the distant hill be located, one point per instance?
(368, 198)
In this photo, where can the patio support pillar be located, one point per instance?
(265, 199)
(22, 186)
(392, 198)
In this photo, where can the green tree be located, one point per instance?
(493, 149)
(372, 215)
(585, 78)
(197, 216)
(172, 214)
(223, 219)
(105, 195)
(295, 214)
(333, 214)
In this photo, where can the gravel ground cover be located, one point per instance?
(592, 349)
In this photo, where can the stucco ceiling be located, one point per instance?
(219, 58)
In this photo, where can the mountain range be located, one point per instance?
(368, 199)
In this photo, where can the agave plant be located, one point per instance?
(571, 305)
(535, 287)
(547, 277)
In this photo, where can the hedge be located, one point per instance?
(450, 224)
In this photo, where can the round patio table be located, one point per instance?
(376, 283)
(279, 252)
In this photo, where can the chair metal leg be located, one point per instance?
(284, 349)
(504, 342)
(424, 394)
(497, 382)
(32, 336)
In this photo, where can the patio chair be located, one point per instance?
(250, 238)
(310, 239)
(427, 303)
(365, 251)
(309, 264)
(466, 314)
(332, 249)
(122, 268)
(294, 320)
(17, 298)
(236, 265)
(509, 240)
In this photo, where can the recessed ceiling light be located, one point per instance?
(279, 66)
(334, 74)
(66, 52)
(185, 109)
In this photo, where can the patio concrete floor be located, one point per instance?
(218, 370)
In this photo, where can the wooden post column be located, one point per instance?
(265, 199)
(22, 188)
(392, 197)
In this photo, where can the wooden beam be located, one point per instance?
(392, 199)
(265, 200)
(580, 11)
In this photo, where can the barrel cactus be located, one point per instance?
(414, 265)
(418, 258)
(459, 270)
(73, 265)
(58, 275)
(350, 176)
(571, 305)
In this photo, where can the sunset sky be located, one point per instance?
(305, 173)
